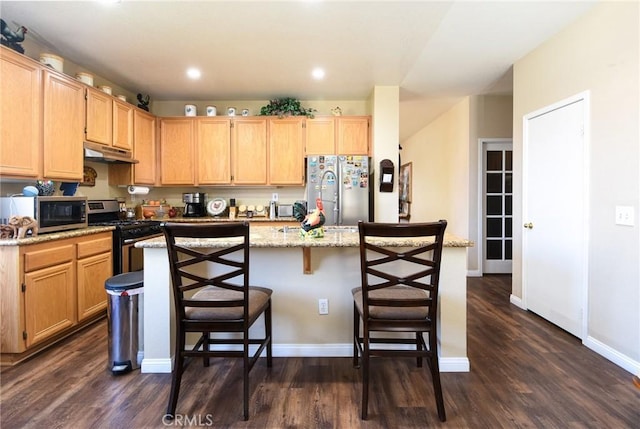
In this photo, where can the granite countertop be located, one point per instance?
(55, 236)
(278, 237)
(226, 219)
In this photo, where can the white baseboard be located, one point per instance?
(613, 355)
(517, 301)
(160, 366)
(474, 273)
(447, 364)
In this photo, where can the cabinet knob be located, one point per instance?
(528, 225)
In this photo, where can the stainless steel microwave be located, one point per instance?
(52, 213)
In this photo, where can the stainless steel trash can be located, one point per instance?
(122, 316)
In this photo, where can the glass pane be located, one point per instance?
(494, 160)
(508, 187)
(494, 183)
(494, 249)
(494, 227)
(507, 250)
(508, 225)
(507, 205)
(508, 161)
(494, 205)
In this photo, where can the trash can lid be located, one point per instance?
(125, 281)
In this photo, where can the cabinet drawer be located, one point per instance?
(48, 257)
(94, 247)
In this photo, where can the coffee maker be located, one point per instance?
(194, 205)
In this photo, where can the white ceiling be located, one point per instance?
(436, 51)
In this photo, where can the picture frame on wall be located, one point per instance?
(405, 182)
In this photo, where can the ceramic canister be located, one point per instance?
(52, 60)
(212, 111)
(106, 89)
(122, 97)
(85, 78)
(190, 110)
(231, 111)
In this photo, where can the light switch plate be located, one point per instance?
(625, 215)
(274, 197)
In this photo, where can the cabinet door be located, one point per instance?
(286, 158)
(99, 117)
(20, 115)
(122, 125)
(63, 127)
(144, 148)
(353, 135)
(92, 273)
(177, 151)
(49, 302)
(320, 136)
(213, 151)
(249, 151)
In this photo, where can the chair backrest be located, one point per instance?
(416, 265)
(195, 263)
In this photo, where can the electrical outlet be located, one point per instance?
(625, 215)
(274, 196)
(323, 306)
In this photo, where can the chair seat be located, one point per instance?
(394, 293)
(258, 298)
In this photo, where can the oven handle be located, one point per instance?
(135, 240)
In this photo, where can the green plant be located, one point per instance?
(287, 106)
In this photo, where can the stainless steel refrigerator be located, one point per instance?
(342, 183)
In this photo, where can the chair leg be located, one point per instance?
(356, 335)
(365, 376)
(176, 377)
(245, 377)
(435, 376)
(418, 348)
(267, 330)
(205, 347)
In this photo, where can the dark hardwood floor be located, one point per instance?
(525, 373)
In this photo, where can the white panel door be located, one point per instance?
(554, 215)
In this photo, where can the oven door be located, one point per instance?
(131, 257)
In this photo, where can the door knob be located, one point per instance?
(528, 225)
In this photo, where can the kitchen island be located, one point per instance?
(301, 271)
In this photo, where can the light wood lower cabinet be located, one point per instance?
(50, 289)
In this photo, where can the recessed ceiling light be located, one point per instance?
(318, 73)
(194, 73)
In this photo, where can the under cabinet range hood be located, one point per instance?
(99, 153)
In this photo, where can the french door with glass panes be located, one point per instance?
(497, 207)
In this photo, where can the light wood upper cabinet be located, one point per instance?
(286, 155)
(63, 127)
(20, 115)
(144, 148)
(177, 155)
(122, 125)
(352, 135)
(249, 151)
(99, 117)
(213, 150)
(320, 136)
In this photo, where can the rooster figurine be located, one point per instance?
(12, 38)
(312, 224)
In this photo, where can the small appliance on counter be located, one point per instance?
(194, 205)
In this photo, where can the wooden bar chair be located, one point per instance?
(399, 294)
(210, 282)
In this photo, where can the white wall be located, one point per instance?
(598, 53)
(385, 141)
(439, 154)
